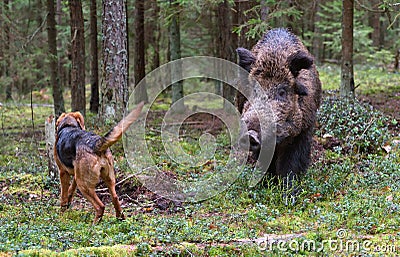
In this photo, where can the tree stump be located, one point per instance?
(50, 140)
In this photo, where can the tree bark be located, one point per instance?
(39, 75)
(53, 63)
(175, 54)
(139, 67)
(235, 23)
(63, 72)
(94, 63)
(317, 44)
(2, 43)
(77, 57)
(375, 23)
(49, 129)
(114, 86)
(264, 10)
(347, 72)
(226, 50)
(7, 53)
(156, 35)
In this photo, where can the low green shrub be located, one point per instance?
(359, 127)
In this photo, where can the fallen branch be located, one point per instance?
(119, 182)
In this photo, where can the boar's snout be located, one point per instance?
(250, 140)
(250, 137)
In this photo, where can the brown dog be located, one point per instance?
(87, 157)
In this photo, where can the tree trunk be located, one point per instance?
(114, 87)
(317, 44)
(49, 129)
(77, 57)
(7, 53)
(375, 23)
(264, 10)
(226, 50)
(175, 54)
(140, 71)
(94, 63)
(347, 80)
(53, 63)
(156, 35)
(235, 23)
(2, 43)
(62, 71)
(39, 75)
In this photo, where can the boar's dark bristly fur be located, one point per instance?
(286, 72)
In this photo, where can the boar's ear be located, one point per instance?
(299, 61)
(246, 58)
(300, 89)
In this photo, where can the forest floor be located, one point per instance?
(388, 103)
(349, 203)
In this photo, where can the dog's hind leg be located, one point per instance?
(90, 194)
(71, 191)
(64, 180)
(109, 180)
(87, 176)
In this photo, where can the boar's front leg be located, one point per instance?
(293, 159)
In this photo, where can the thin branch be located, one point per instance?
(120, 182)
(394, 20)
(369, 9)
(74, 37)
(39, 29)
(33, 122)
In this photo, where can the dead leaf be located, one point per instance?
(213, 226)
(148, 209)
(389, 198)
(387, 148)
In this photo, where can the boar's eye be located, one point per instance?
(282, 94)
(300, 89)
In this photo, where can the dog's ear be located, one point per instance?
(62, 116)
(79, 118)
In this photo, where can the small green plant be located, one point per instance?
(359, 127)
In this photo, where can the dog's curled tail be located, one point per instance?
(115, 133)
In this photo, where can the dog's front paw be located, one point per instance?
(120, 216)
(64, 207)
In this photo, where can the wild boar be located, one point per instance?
(285, 70)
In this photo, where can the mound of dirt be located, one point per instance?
(388, 104)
